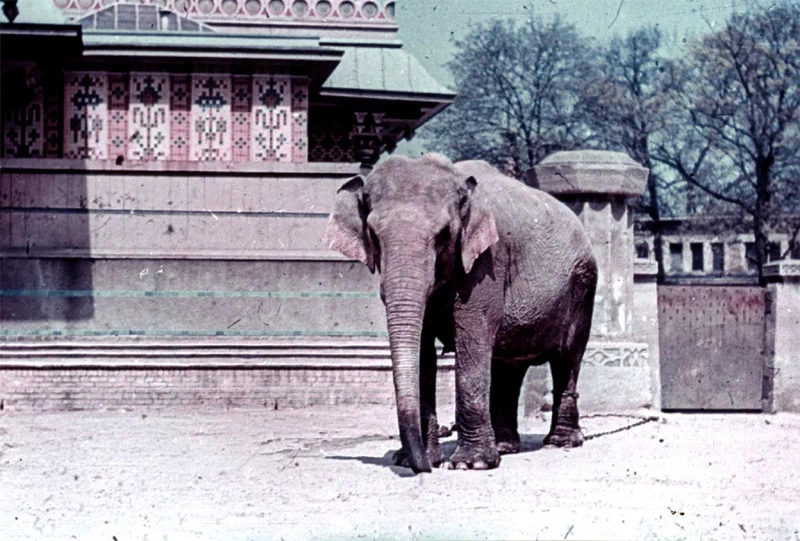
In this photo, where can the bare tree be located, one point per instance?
(733, 131)
(625, 102)
(518, 86)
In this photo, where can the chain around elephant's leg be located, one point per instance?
(564, 428)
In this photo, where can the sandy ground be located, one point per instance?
(326, 474)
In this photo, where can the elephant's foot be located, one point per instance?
(564, 437)
(434, 454)
(507, 441)
(474, 457)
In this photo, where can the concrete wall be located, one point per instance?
(107, 273)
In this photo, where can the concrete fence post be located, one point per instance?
(782, 331)
(617, 372)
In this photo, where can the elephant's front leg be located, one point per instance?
(427, 384)
(476, 442)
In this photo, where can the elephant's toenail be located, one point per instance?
(462, 466)
(480, 465)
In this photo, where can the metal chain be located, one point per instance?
(641, 421)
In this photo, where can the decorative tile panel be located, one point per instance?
(149, 122)
(53, 114)
(330, 142)
(159, 116)
(117, 114)
(180, 104)
(86, 115)
(241, 107)
(23, 131)
(211, 118)
(271, 130)
(299, 119)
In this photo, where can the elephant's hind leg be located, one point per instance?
(504, 399)
(565, 367)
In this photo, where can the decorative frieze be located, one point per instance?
(23, 113)
(210, 118)
(242, 106)
(616, 354)
(329, 11)
(86, 115)
(149, 122)
(299, 120)
(118, 103)
(180, 103)
(272, 132)
(158, 116)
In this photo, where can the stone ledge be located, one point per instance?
(321, 255)
(217, 352)
(644, 267)
(782, 269)
(187, 168)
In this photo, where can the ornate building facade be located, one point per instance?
(167, 171)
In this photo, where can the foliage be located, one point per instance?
(732, 129)
(719, 129)
(517, 79)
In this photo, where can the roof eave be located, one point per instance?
(211, 53)
(442, 98)
(40, 30)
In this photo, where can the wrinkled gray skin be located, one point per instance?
(499, 272)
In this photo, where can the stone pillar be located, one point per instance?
(599, 187)
(782, 326)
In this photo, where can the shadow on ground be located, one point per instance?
(528, 443)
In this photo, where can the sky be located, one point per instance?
(428, 28)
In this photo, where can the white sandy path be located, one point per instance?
(323, 473)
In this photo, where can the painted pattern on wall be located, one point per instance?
(143, 116)
(241, 108)
(117, 114)
(271, 130)
(180, 103)
(53, 117)
(23, 134)
(299, 120)
(86, 115)
(211, 118)
(149, 122)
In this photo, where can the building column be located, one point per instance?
(782, 328)
(599, 187)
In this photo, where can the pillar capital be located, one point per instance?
(589, 172)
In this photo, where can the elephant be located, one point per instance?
(501, 273)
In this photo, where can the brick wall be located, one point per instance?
(69, 389)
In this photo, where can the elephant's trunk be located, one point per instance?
(405, 294)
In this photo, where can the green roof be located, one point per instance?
(38, 12)
(156, 40)
(388, 70)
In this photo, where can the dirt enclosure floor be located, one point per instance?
(326, 474)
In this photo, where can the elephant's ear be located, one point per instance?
(479, 231)
(346, 232)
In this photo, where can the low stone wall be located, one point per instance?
(224, 372)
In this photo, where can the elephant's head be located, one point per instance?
(414, 222)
